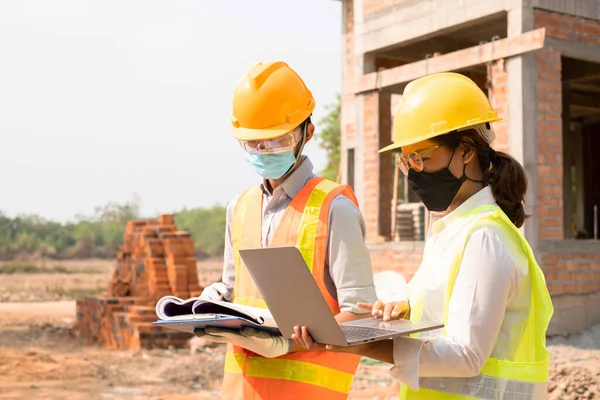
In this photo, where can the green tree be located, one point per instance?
(329, 138)
(101, 233)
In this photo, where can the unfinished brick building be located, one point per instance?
(539, 61)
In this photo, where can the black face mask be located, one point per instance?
(436, 189)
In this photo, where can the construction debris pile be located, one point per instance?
(572, 382)
(155, 260)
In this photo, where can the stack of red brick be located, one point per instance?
(155, 260)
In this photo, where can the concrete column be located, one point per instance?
(359, 153)
(345, 142)
(344, 112)
(522, 113)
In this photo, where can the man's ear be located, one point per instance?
(310, 131)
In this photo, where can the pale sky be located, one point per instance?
(104, 99)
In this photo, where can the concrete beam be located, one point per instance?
(411, 20)
(454, 61)
(577, 50)
(570, 246)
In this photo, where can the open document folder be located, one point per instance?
(195, 313)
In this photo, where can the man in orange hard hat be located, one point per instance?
(271, 120)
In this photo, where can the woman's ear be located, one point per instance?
(468, 152)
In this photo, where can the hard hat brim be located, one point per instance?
(246, 134)
(392, 146)
(431, 135)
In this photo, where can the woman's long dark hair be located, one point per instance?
(502, 173)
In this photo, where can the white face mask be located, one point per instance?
(275, 165)
(271, 166)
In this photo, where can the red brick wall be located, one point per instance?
(499, 100)
(371, 163)
(550, 124)
(379, 175)
(378, 168)
(572, 273)
(564, 26)
(386, 166)
(397, 257)
(565, 273)
(550, 149)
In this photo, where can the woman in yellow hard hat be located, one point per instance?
(291, 207)
(478, 276)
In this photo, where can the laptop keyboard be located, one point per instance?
(354, 333)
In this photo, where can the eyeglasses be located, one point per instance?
(413, 160)
(273, 146)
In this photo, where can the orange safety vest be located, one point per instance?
(301, 375)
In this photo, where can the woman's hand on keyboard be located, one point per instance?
(387, 311)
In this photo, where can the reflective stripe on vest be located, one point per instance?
(526, 376)
(292, 370)
(307, 374)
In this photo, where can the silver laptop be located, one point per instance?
(293, 297)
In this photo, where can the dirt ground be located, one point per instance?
(81, 278)
(41, 358)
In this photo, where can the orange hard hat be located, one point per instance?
(270, 101)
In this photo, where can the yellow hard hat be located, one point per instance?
(437, 104)
(270, 101)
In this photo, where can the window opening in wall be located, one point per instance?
(350, 167)
(408, 213)
(581, 148)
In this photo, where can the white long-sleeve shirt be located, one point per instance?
(489, 303)
(350, 278)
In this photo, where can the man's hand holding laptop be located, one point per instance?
(267, 345)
